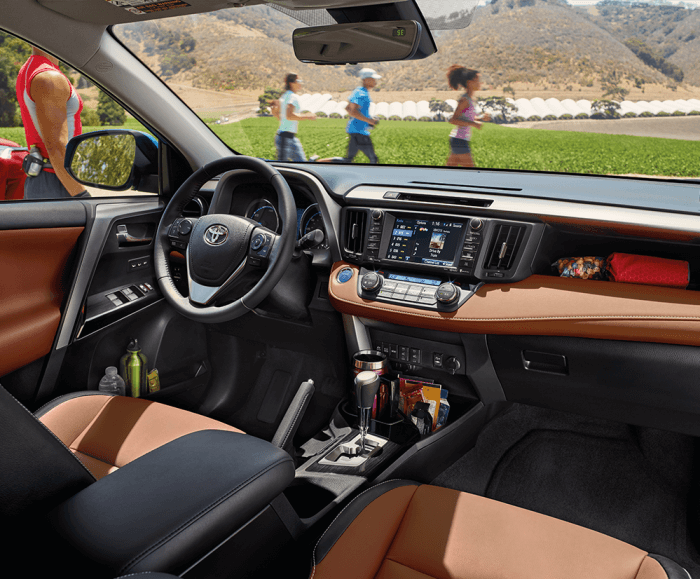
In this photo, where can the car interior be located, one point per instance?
(289, 321)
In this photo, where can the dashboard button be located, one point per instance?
(385, 293)
(427, 300)
(414, 290)
(447, 293)
(389, 285)
(371, 282)
(401, 288)
(344, 275)
(411, 298)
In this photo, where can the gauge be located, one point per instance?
(312, 219)
(264, 213)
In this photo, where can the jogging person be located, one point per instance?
(464, 117)
(359, 124)
(50, 108)
(287, 110)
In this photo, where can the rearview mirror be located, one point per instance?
(114, 159)
(357, 42)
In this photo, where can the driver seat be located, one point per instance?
(105, 432)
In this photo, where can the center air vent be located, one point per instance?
(355, 228)
(504, 247)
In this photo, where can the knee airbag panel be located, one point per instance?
(168, 508)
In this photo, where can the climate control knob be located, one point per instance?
(371, 282)
(447, 293)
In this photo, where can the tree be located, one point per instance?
(500, 109)
(437, 106)
(13, 53)
(109, 112)
(509, 90)
(604, 109)
(266, 99)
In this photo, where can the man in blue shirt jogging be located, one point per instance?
(360, 122)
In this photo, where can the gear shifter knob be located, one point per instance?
(366, 388)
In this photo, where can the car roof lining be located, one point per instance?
(108, 12)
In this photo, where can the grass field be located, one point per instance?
(495, 146)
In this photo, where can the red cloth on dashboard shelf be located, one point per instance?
(624, 267)
(11, 175)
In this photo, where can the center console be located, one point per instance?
(432, 261)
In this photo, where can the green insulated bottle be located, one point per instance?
(134, 370)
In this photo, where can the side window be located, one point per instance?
(43, 104)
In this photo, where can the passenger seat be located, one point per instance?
(413, 531)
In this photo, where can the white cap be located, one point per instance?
(369, 73)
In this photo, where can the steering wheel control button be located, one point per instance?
(185, 227)
(371, 282)
(344, 275)
(258, 242)
(447, 293)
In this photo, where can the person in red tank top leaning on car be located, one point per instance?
(50, 108)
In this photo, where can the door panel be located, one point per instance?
(32, 266)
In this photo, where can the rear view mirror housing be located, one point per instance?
(358, 42)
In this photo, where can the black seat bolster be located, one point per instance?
(168, 508)
(672, 569)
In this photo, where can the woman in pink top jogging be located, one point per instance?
(464, 117)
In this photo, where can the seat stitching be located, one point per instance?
(313, 554)
(640, 565)
(51, 433)
(96, 457)
(84, 430)
(296, 415)
(408, 567)
(202, 512)
(87, 393)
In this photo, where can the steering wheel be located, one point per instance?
(226, 254)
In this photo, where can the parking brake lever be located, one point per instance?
(366, 387)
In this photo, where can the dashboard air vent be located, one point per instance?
(355, 226)
(504, 247)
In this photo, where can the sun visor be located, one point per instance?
(107, 12)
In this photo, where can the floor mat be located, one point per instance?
(627, 482)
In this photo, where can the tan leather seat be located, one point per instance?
(403, 529)
(106, 432)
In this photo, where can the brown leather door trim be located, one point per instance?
(547, 306)
(32, 262)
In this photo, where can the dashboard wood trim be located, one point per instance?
(546, 306)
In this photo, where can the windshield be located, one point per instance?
(610, 88)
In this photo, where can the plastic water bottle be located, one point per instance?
(112, 383)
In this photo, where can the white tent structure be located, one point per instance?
(556, 107)
(409, 110)
(572, 108)
(382, 109)
(585, 106)
(525, 109)
(627, 107)
(396, 109)
(663, 106)
(423, 109)
(541, 107)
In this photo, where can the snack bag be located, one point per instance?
(582, 267)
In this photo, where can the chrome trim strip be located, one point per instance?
(539, 207)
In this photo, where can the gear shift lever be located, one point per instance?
(366, 387)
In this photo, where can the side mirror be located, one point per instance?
(357, 42)
(114, 159)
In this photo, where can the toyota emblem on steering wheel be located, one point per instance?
(216, 234)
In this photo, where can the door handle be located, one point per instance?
(125, 238)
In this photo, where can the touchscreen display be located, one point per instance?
(425, 241)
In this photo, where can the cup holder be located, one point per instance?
(308, 498)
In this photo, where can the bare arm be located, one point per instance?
(353, 110)
(462, 123)
(50, 91)
(292, 116)
(275, 109)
